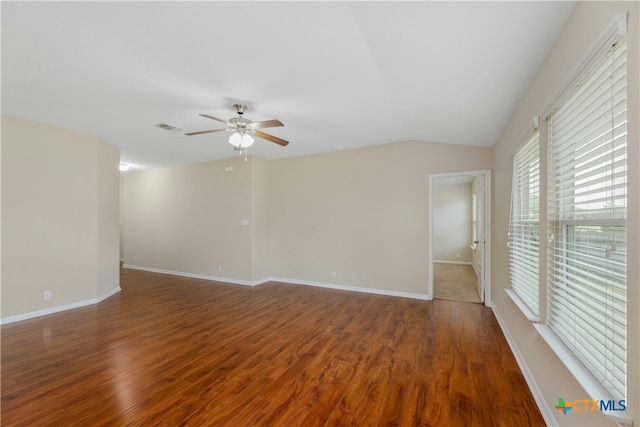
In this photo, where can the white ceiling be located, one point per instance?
(339, 75)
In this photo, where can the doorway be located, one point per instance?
(460, 236)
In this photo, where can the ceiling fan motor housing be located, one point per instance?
(240, 123)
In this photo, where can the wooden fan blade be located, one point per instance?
(213, 118)
(271, 138)
(266, 124)
(204, 131)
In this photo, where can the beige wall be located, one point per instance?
(452, 223)
(108, 201)
(587, 22)
(59, 210)
(188, 219)
(260, 181)
(362, 211)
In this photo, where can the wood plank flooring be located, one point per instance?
(173, 351)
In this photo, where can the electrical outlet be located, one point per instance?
(47, 295)
(219, 269)
(353, 276)
(363, 277)
(333, 274)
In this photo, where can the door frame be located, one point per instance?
(486, 174)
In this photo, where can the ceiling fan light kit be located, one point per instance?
(241, 140)
(244, 129)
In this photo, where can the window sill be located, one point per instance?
(530, 315)
(591, 385)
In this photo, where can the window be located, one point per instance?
(587, 201)
(524, 234)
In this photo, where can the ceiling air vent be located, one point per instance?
(171, 128)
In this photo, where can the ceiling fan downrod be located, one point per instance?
(240, 108)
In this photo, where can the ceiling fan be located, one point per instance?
(244, 129)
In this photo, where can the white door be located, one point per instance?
(478, 232)
(481, 256)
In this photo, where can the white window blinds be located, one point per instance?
(524, 224)
(587, 201)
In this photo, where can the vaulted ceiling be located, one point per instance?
(339, 75)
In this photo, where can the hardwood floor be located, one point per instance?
(173, 351)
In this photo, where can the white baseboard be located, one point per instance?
(198, 276)
(59, 308)
(283, 280)
(351, 288)
(437, 261)
(545, 410)
(108, 294)
(217, 279)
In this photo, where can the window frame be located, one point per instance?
(525, 291)
(559, 230)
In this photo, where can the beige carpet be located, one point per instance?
(455, 282)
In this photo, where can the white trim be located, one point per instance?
(487, 230)
(545, 409)
(222, 280)
(616, 29)
(351, 288)
(108, 294)
(283, 280)
(216, 279)
(437, 261)
(57, 309)
(197, 276)
(524, 308)
(589, 383)
(533, 126)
